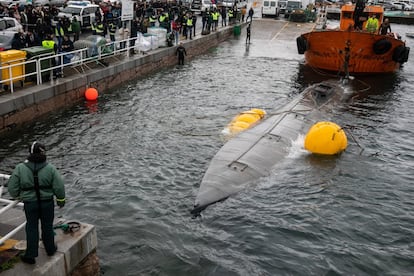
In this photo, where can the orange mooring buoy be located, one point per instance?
(91, 94)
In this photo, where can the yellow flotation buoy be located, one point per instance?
(326, 138)
(244, 120)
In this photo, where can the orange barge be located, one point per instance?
(350, 49)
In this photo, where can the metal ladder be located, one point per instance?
(8, 205)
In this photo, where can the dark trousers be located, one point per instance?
(189, 32)
(75, 37)
(46, 216)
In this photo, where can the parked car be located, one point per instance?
(10, 24)
(6, 38)
(85, 14)
(402, 6)
(388, 6)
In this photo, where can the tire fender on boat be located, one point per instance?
(400, 54)
(382, 46)
(406, 54)
(302, 44)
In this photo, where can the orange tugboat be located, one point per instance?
(351, 48)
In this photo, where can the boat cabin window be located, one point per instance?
(364, 17)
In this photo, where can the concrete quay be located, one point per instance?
(76, 254)
(30, 102)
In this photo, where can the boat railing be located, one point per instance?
(8, 204)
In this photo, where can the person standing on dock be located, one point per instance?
(250, 14)
(189, 26)
(223, 16)
(76, 28)
(36, 182)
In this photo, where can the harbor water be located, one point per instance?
(133, 161)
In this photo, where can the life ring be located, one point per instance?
(302, 44)
(382, 46)
(400, 54)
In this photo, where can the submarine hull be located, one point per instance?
(254, 152)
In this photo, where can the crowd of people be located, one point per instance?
(42, 22)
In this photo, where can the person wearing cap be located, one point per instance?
(36, 183)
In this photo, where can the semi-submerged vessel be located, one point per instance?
(354, 47)
(253, 153)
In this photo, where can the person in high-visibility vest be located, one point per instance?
(372, 24)
(49, 43)
(112, 30)
(231, 15)
(100, 28)
(190, 26)
(59, 33)
(215, 14)
(163, 21)
(152, 20)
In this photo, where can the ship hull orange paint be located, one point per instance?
(327, 50)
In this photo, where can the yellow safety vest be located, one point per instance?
(49, 44)
(99, 28)
(59, 32)
(189, 22)
(372, 25)
(215, 16)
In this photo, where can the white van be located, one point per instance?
(230, 3)
(270, 8)
(202, 5)
(84, 13)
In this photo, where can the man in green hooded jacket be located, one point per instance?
(36, 182)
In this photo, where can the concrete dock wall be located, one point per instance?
(76, 253)
(29, 103)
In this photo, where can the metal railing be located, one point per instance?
(8, 204)
(44, 66)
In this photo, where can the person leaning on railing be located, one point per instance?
(36, 183)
